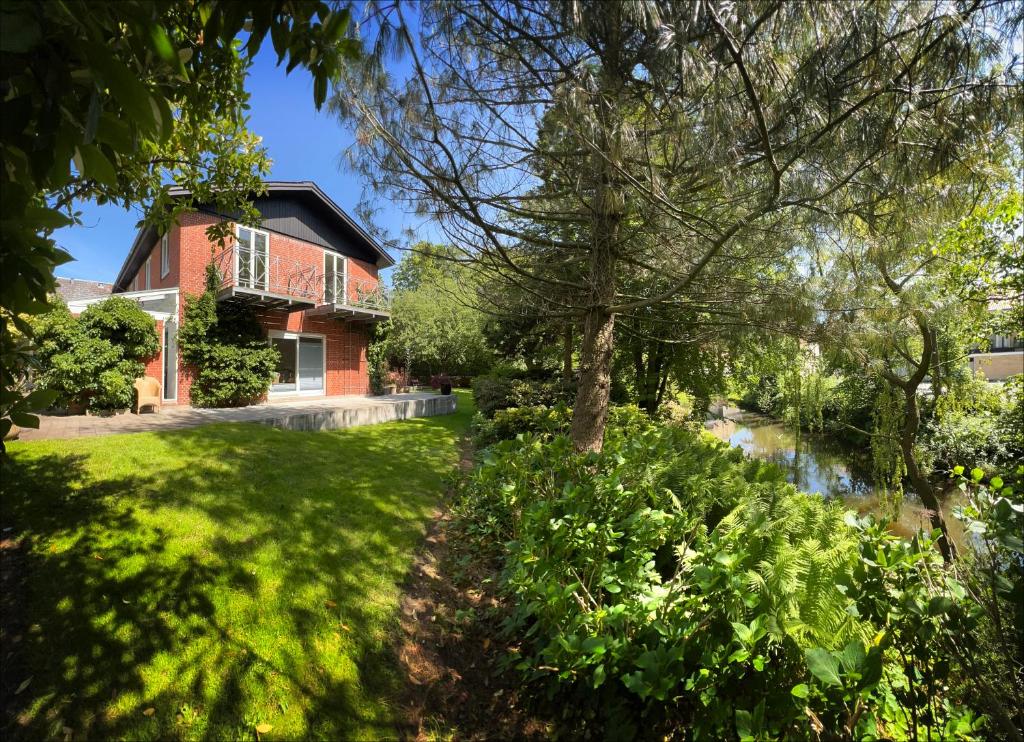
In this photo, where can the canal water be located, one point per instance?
(814, 464)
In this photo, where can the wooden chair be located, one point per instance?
(148, 394)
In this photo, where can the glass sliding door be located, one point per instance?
(285, 374)
(301, 365)
(311, 364)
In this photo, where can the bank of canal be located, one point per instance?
(815, 464)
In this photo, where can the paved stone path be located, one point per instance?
(292, 413)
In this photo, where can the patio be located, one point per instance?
(320, 413)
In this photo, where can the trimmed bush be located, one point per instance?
(492, 393)
(95, 358)
(550, 421)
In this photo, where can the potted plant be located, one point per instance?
(395, 382)
(444, 383)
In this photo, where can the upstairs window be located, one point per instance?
(165, 257)
(149, 271)
(335, 278)
(252, 257)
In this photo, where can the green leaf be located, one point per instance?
(744, 725)
(958, 470)
(124, 85)
(162, 44)
(95, 164)
(18, 33)
(742, 632)
(24, 419)
(823, 666)
(319, 89)
(800, 691)
(939, 605)
(977, 474)
(996, 483)
(852, 657)
(41, 217)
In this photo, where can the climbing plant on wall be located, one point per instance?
(230, 360)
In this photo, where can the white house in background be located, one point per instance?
(1004, 356)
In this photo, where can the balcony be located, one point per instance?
(254, 278)
(354, 299)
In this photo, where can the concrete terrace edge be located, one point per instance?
(383, 411)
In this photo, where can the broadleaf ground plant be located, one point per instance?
(667, 583)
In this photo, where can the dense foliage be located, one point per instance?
(434, 327)
(93, 359)
(668, 583)
(499, 391)
(545, 422)
(224, 346)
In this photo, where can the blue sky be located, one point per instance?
(304, 145)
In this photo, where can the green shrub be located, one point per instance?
(492, 393)
(121, 322)
(668, 583)
(232, 362)
(95, 358)
(677, 411)
(508, 423)
(377, 363)
(983, 426)
(628, 577)
(550, 421)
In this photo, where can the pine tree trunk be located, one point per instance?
(590, 412)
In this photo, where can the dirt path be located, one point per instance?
(450, 655)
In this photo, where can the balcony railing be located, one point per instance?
(360, 293)
(257, 273)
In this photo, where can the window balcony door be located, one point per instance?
(335, 278)
(301, 368)
(252, 257)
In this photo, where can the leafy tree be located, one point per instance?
(117, 102)
(908, 265)
(434, 326)
(688, 138)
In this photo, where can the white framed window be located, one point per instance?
(302, 366)
(252, 256)
(149, 271)
(335, 278)
(165, 257)
(170, 359)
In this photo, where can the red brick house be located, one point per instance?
(309, 271)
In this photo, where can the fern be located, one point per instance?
(797, 549)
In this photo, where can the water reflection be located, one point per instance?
(815, 464)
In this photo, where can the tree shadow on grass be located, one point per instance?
(246, 575)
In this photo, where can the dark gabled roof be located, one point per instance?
(306, 213)
(72, 289)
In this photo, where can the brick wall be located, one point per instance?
(156, 281)
(155, 365)
(346, 342)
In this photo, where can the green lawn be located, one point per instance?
(198, 583)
